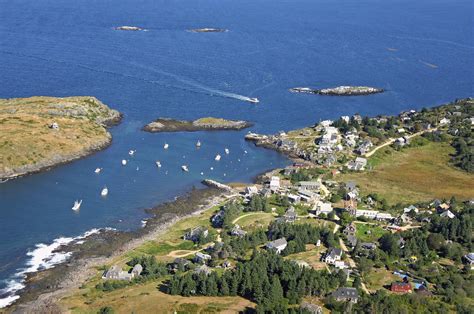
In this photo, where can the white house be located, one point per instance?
(332, 256)
(367, 213)
(322, 208)
(274, 183)
(278, 245)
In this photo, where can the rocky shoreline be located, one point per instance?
(203, 124)
(339, 91)
(45, 287)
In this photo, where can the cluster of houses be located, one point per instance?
(116, 273)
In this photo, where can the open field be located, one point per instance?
(414, 174)
(28, 143)
(254, 220)
(146, 298)
(312, 256)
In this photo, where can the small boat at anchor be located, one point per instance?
(218, 157)
(185, 168)
(98, 170)
(198, 144)
(132, 152)
(227, 151)
(158, 164)
(124, 162)
(77, 205)
(104, 192)
(166, 146)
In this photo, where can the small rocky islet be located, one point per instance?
(202, 124)
(339, 91)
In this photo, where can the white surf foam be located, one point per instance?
(44, 256)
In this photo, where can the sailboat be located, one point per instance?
(198, 144)
(124, 162)
(184, 168)
(218, 157)
(98, 170)
(166, 146)
(158, 164)
(227, 151)
(104, 191)
(77, 205)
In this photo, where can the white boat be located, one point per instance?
(227, 151)
(124, 162)
(212, 168)
(198, 144)
(245, 152)
(166, 146)
(77, 205)
(218, 157)
(202, 173)
(158, 164)
(132, 152)
(104, 191)
(184, 168)
(98, 170)
(253, 100)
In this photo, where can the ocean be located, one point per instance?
(421, 52)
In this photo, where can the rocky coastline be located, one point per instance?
(202, 124)
(44, 288)
(339, 91)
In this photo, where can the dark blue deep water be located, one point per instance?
(420, 51)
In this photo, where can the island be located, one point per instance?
(208, 30)
(42, 132)
(128, 28)
(339, 91)
(202, 124)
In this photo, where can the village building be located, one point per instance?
(196, 233)
(364, 147)
(274, 183)
(333, 255)
(116, 273)
(368, 246)
(383, 216)
(308, 196)
(293, 198)
(202, 258)
(278, 245)
(237, 231)
(251, 190)
(179, 264)
(447, 214)
(358, 164)
(311, 308)
(346, 294)
(203, 269)
(314, 186)
(401, 287)
(350, 229)
(371, 214)
(322, 208)
(352, 240)
(469, 258)
(290, 215)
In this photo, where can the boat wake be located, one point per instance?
(44, 256)
(192, 86)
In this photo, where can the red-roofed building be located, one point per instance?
(403, 287)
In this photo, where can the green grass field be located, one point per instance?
(369, 233)
(414, 174)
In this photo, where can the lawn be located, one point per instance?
(254, 220)
(369, 232)
(414, 174)
(312, 256)
(377, 278)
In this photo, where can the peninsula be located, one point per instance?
(202, 124)
(42, 132)
(339, 91)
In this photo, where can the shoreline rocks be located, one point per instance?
(202, 124)
(339, 91)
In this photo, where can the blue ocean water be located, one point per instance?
(422, 52)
